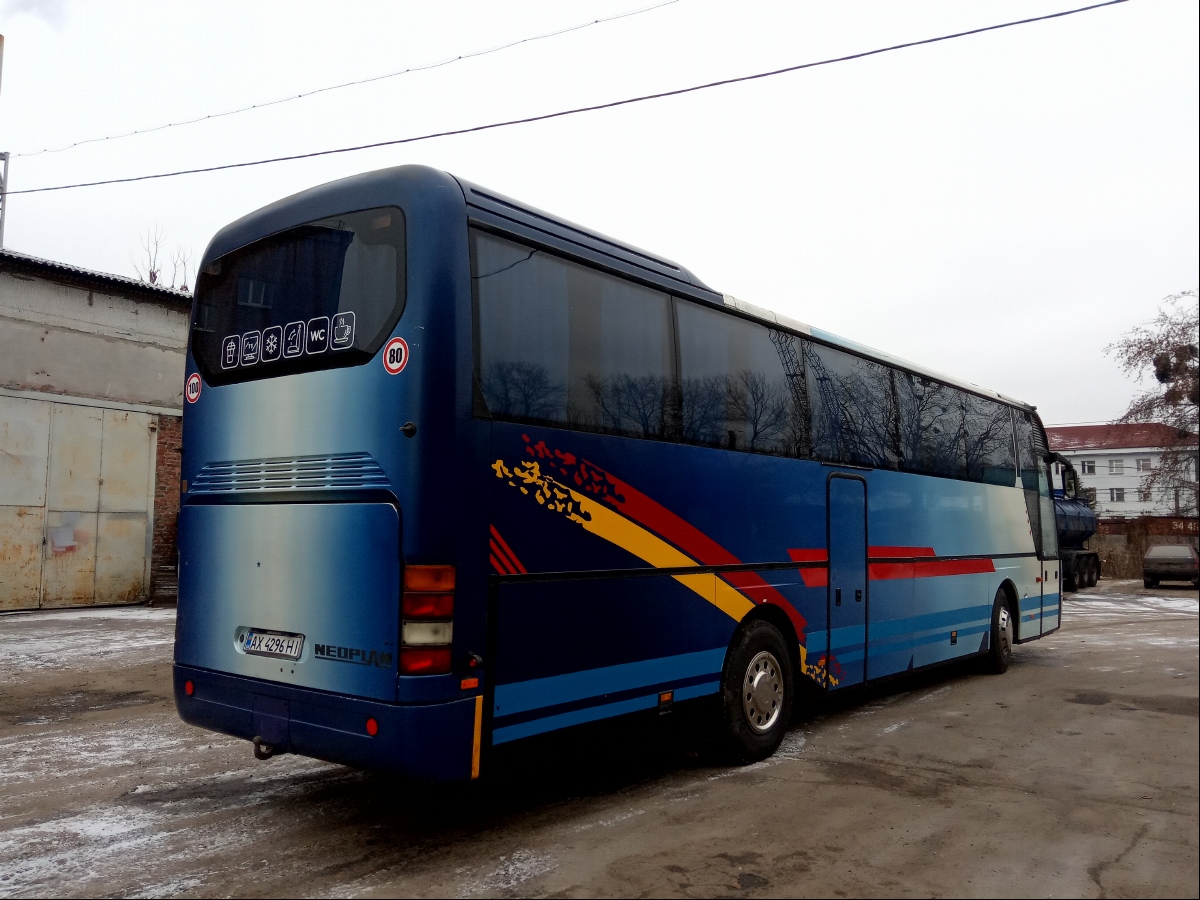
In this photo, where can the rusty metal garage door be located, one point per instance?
(76, 495)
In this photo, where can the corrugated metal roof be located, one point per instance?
(60, 271)
(1115, 437)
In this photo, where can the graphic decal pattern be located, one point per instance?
(611, 509)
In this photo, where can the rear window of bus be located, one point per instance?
(322, 295)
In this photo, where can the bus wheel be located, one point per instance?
(757, 689)
(1000, 654)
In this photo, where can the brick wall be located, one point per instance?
(166, 506)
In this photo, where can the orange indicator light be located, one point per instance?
(468, 683)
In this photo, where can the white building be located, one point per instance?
(1113, 462)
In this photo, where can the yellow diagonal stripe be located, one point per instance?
(613, 527)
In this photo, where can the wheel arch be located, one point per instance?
(1012, 601)
(773, 615)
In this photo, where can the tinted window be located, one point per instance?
(1027, 466)
(932, 438)
(738, 383)
(322, 295)
(1166, 551)
(853, 416)
(564, 344)
(988, 437)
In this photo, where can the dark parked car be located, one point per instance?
(1171, 562)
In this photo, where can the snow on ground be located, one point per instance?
(74, 638)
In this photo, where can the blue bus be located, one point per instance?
(457, 472)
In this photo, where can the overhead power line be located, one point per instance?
(337, 87)
(575, 111)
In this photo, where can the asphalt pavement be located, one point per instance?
(1075, 773)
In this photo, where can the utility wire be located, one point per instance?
(571, 112)
(338, 87)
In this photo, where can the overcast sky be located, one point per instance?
(998, 207)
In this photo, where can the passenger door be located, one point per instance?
(848, 595)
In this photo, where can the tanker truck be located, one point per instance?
(1076, 522)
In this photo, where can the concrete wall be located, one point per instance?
(91, 389)
(65, 339)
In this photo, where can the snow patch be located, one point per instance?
(514, 870)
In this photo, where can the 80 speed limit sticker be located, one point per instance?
(395, 356)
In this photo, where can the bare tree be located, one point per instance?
(1168, 347)
(147, 266)
(151, 269)
(181, 261)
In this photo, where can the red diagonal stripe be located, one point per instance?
(506, 551)
(698, 545)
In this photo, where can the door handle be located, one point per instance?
(858, 595)
(837, 597)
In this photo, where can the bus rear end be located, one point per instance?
(320, 606)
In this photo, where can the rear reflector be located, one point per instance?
(189, 688)
(372, 726)
(429, 578)
(426, 634)
(424, 660)
(428, 606)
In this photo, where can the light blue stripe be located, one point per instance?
(697, 690)
(926, 621)
(537, 693)
(575, 717)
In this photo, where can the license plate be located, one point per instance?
(278, 644)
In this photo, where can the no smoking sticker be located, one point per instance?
(395, 356)
(192, 390)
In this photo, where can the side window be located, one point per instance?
(931, 426)
(735, 390)
(1028, 466)
(988, 434)
(853, 415)
(560, 343)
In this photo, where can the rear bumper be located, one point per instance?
(435, 741)
(1163, 573)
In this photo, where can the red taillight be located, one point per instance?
(429, 578)
(189, 688)
(428, 606)
(424, 660)
(427, 626)
(372, 726)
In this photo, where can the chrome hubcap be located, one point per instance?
(1006, 631)
(762, 692)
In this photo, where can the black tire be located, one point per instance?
(1074, 576)
(755, 721)
(1093, 571)
(1146, 582)
(1004, 629)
